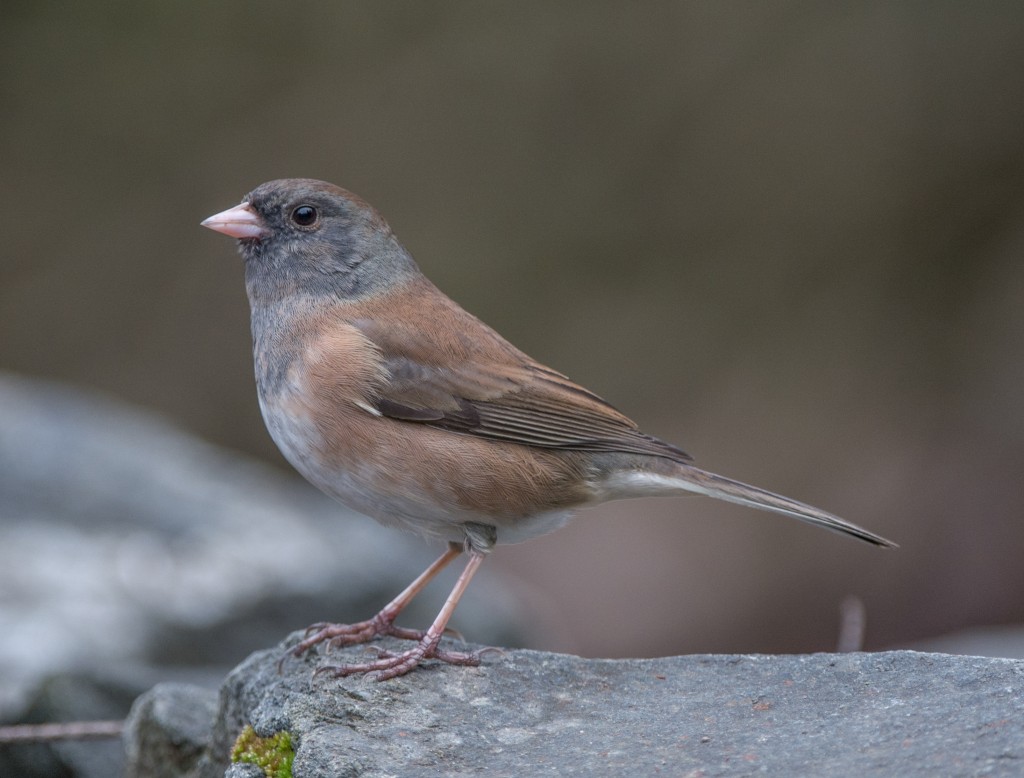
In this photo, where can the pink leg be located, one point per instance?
(390, 665)
(383, 622)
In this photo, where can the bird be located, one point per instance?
(388, 396)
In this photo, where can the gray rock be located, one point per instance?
(530, 713)
(241, 770)
(169, 729)
(1004, 640)
(68, 697)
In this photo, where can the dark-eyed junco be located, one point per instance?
(388, 396)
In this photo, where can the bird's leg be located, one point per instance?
(383, 622)
(479, 541)
(390, 665)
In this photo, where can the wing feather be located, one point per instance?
(509, 398)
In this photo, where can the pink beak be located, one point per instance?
(238, 222)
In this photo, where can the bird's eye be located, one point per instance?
(304, 215)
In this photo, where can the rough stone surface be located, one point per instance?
(244, 771)
(530, 713)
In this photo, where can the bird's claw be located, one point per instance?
(391, 664)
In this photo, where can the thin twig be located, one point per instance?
(852, 623)
(64, 730)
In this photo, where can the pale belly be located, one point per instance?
(358, 487)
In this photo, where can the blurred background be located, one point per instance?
(787, 237)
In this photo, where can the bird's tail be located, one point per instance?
(693, 479)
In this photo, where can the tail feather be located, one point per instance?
(724, 488)
(693, 479)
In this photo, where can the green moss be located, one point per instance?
(274, 755)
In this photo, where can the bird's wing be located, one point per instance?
(497, 392)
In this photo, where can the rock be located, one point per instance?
(531, 713)
(1003, 640)
(169, 728)
(241, 770)
(84, 695)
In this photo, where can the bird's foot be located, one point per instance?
(390, 664)
(335, 635)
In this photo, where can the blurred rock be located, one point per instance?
(532, 713)
(85, 696)
(999, 641)
(131, 552)
(169, 729)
